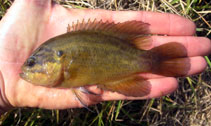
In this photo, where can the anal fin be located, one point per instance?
(131, 86)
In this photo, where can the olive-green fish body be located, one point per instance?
(88, 54)
(105, 54)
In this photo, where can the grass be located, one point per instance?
(190, 105)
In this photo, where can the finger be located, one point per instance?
(21, 27)
(53, 98)
(196, 46)
(197, 65)
(159, 87)
(49, 98)
(160, 23)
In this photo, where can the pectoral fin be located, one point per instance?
(77, 94)
(132, 86)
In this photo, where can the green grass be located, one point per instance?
(189, 105)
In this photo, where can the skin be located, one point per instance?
(22, 32)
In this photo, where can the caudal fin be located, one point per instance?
(170, 60)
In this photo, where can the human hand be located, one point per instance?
(28, 23)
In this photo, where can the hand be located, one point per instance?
(28, 23)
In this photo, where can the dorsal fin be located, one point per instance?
(129, 30)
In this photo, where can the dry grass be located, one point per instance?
(190, 105)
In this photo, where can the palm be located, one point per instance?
(24, 30)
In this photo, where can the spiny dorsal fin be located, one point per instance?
(129, 30)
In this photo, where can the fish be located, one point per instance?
(107, 54)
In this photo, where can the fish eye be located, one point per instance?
(31, 62)
(60, 53)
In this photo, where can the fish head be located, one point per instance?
(43, 67)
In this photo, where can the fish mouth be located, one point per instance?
(25, 77)
(22, 75)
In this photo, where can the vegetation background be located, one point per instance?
(190, 105)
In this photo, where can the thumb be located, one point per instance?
(4, 103)
(24, 22)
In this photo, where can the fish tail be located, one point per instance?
(170, 60)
